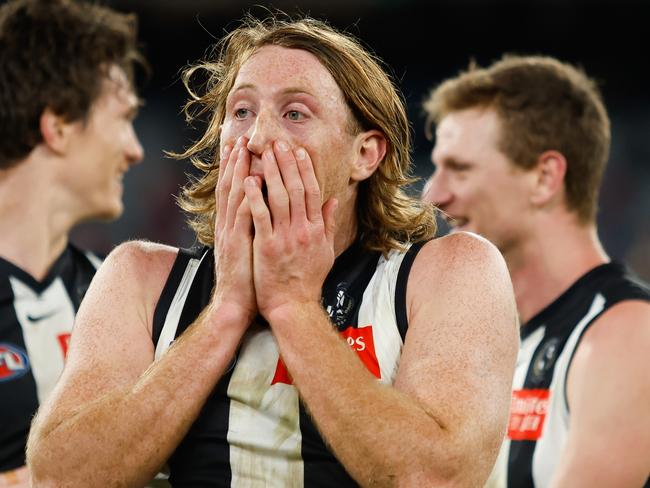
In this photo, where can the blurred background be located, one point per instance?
(423, 43)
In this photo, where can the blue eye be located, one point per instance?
(294, 115)
(241, 113)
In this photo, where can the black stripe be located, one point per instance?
(623, 285)
(19, 395)
(321, 468)
(560, 319)
(400, 287)
(343, 288)
(202, 459)
(77, 274)
(342, 295)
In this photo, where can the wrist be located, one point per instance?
(291, 311)
(227, 315)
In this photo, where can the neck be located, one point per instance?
(550, 261)
(346, 222)
(33, 222)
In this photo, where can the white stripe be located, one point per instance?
(378, 309)
(94, 260)
(499, 476)
(550, 445)
(524, 357)
(264, 420)
(54, 314)
(168, 333)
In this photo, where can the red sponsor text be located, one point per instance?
(359, 339)
(528, 410)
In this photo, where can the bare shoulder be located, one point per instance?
(142, 259)
(456, 251)
(460, 260)
(128, 285)
(608, 390)
(459, 287)
(623, 322)
(141, 267)
(461, 344)
(459, 294)
(617, 341)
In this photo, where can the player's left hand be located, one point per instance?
(293, 247)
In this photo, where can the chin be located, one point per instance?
(110, 212)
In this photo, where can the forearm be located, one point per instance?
(415, 448)
(126, 434)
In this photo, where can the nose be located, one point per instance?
(263, 132)
(436, 190)
(134, 150)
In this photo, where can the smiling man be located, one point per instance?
(321, 337)
(66, 140)
(519, 154)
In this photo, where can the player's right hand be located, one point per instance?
(233, 235)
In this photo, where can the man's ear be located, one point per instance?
(370, 147)
(550, 171)
(56, 131)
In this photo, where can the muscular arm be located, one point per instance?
(444, 419)
(115, 416)
(609, 396)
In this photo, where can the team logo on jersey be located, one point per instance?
(528, 410)
(544, 359)
(13, 362)
(359, 339)
(39, 318)
(342, 306)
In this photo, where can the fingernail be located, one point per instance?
(240, 141)
(283, 146)
(300, 153)
(225, 151)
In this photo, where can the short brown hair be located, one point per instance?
(387, 216)
(543, 104)
(54, 54)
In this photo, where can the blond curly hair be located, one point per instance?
(388, 217)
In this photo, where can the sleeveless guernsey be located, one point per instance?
(35, 323)
(253, 429)
(539, 412)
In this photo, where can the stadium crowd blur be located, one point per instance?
(423, 42)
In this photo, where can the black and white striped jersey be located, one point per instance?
(539, 411)
(36, 319)
(253, 429)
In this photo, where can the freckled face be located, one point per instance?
(287, 94)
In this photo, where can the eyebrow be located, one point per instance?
(285, 91)
(455, 163)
